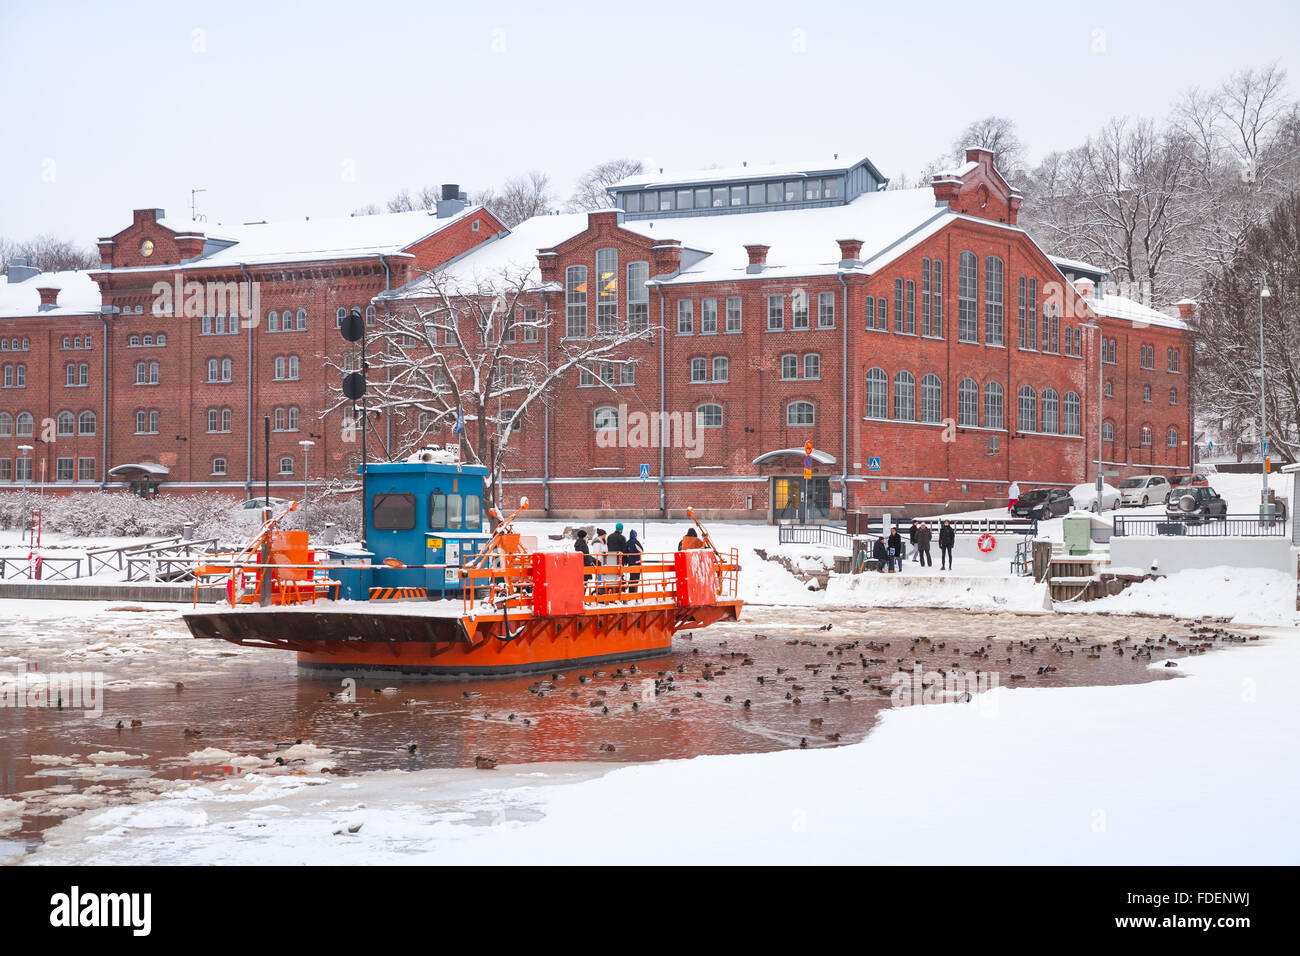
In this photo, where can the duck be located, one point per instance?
(485, 763)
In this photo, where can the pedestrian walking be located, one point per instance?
(947, 538)
(1013, 495)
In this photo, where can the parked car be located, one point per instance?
(1179, 483)
(1143, 489)
(1043, 503)
(252, 508)
(1085, 497)
(1196, 504)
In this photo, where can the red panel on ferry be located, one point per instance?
(557, 583)
(697, 578)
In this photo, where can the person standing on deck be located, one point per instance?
(895, 551)
(923, 537)
(632, 556)
(947, 538)
(617, 545)
(690, 540)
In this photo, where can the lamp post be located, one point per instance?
(1265, 509)
(306, 448)
(27, 472)
(1101, 411)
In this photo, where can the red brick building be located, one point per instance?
(921, 340)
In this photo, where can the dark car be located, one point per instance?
(1195, 505)
(1041, 503)
(1180, 483)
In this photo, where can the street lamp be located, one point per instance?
(1101, 391)
(306, 448)
(1265, 510)
(27, 472)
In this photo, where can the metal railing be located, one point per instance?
(1022, 563)
(814, 534)
(1241, 526)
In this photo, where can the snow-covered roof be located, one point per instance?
(78, 294)
(1076, 265)
(306, 240)
(733, 173)
(1114, 306)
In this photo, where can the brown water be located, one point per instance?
(773, 680)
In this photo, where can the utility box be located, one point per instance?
(697, 578)
(557, 583)
(1082, 531)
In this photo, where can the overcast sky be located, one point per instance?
(284, 109)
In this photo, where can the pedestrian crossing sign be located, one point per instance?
(873, 464)
(645, 471)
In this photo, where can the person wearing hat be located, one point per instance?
(617, 543)
(632, 556)
(580, 544)
(689, 540)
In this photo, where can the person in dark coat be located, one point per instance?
(580, 544)
(947, 538)
(923, 537)
(616, 542)
(880, 551)
(912, 543)
(895, 551)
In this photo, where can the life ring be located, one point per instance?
(986, 543)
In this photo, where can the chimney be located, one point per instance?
(548, 262)
(20, 270)
(190, 245)
(147, 216)
(757, 257)
(1085, 287)
(452, 201)
(1187, 309)
(603, 220)
(49, 297)
(850, 252)
(667, 257)
(106, 253)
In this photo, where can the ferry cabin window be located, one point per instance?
(454, 505)
(390, 511)
(437, 511)
(472, 509)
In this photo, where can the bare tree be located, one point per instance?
(48, 253)
(590, 191)
(998, 134)
(463, 354)
(520, 198)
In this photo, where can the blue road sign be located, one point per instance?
(873, 464)
(807, 461)
(1266, 448)
(645, 471)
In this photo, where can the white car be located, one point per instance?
(1085, 497)
(252, 508)
(1143, 490)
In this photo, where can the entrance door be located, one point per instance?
(787, 494)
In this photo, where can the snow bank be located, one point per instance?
(870, 589)
(1243, 595)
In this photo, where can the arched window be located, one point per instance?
(1146, 435)
(1109, 389)
(708, 416)
(70, 375)
(370, 315)
(339, 313)
(67, 423)
(226, 367)
(1051, 411)
(1146, 393)
(141, 373)
(6, 425)
(575, 303)
(273, 321)
(905, 397)
(26, 425)
(967, 281)
(1171, 437)
(86, 423)
(1028, 419)
(133, 341)
(993, 405)
(968, 403)
(1072, 414)
(604, 418)
(1173, 396)
(877, 393)
(293, 418)
(302, 320)
(799, 414)
(83, 373)
(218, 466)
(286, 465)
(789, 366)
(931, 399)
(278, 419)
(993, 294)
(1107, 431)
(161, 338)
(812, 365)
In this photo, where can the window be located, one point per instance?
(86, 423)
(1072, 414)
(1146, 393)
(708, 316)
(22, 469)
(812, 190)
(66, 424)
(132, 342)
(575, 302)
(1107, 431)
(1051, 339)
(437, 511)
(370, 315)
(720, 367)
(799, 414)
(473, 509)
(63, 469)
(699, 370)
(1175, 360)
(392, 511)
(1051, 411)
(26, 425)
(882, 313)
(69, 375)
(877, 393)
(826, 310)
(286, 368)
(871, 312)
(146, 422)
(338, 316)
(931, 399)
(967, 282)
(738, 195)
(993, 293)
(756, 194)
(925, 297)
(1031, 315)
(775, 313)
(911, 307)
(67, 342)
(789, 366)
(6, 425)
(1146, 434)
(585, 376)
(85, 469)
(606, 291)
(708, 416)
(1173, 396)
(1109, 389)
(1171, 438)
(905, 397)
(455, 509)
(1020, 310)
(6, 469)
(1028, 420)
(302, 321)
(604, 419)
(799, 309)
(286, 465)
(993, 405)
(812, 365)
(937, 296)
(685, 317)
(273, 321)
(733, 313)
(898, 306)
(83, 373)
(968, 403)
(218, 466)
(530, 323)
(638, 298)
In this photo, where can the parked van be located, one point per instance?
(1141, 490)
